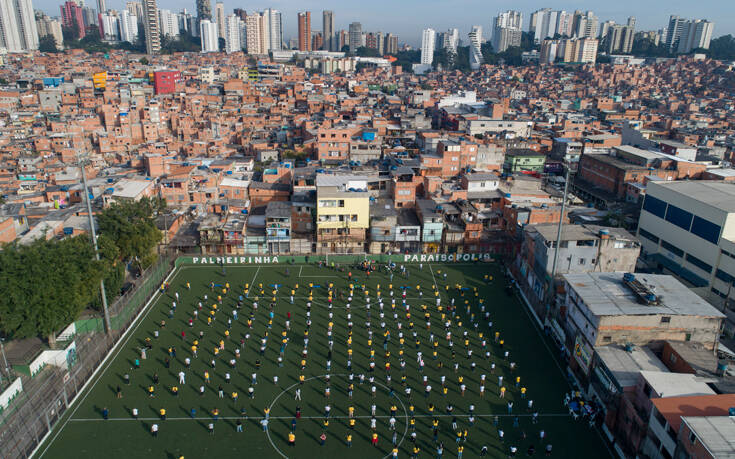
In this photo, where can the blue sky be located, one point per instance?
(406, 18)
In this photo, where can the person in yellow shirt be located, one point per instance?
(291, 439)
(162, 412)
(349, 440)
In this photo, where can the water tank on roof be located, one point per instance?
(507, 195)
(604, 232)
(110, 180)
(544, 206)
(229, 172)
(68, 231)
(628, 277)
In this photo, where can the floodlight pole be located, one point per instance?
(108, 327)
(558, 241)
(5, 359)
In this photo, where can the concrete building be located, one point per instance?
(278, 227)
(507, 30)
(204, 9)
(523, 160)
(432, 225)
(330, 42)
(688, 227)
(168, 23)
(476, 59)
(257, 34)
(683, 35)
(343, 213)
(219, 17)
(150, 26)
(428, 42)
(233, 34)
(18, 30)
(583, 248)
(208, 32)
(50, 26)
(641, 309)
(304, 26)
(355, 36)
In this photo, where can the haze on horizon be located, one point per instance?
(407, 18)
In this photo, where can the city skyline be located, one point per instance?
(650, 16)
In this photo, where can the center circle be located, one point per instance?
(342, 375)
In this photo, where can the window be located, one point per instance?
(648, 235)
(699, 263)
(665, 320)
(692, 438)
(723, 276)
(404, 192)
(672, 358)
(679, 217)
(706, 230)
(607, 339)
(655, 206)
(341, 203)
(582, 261)
(671, 248)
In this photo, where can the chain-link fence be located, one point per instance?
(46, 396)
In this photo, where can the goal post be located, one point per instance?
(344, 258)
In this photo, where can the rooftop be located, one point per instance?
(667, 384)
(716, 433)
(605, 294)
(713, 193)
(626, 365)
(673, 408)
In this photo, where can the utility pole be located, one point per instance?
(106, 311)
(558, 241)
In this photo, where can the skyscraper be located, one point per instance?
(150, 26)
(274, 32)
(258, 33)
(49, 26)
(241, 13)
(18, 30)
(695, 34)
(219, 17)
(71, 17)
(355, 37)
(208, 32)
(168, 23)
(101, 8)
(475, 36)
(391, 44)
(585, 25)
(304, 21)
(428, 40)
(507, 30)
(328, 31)
(128, 26)
(204, 9)
(233, 35)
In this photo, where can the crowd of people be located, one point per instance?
(421, 348)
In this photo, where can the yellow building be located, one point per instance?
(342, 213)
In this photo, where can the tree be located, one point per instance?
(46, 284)
(722, 48)
(143, 60)
(364, 51)
(47, 44)
(131, 226)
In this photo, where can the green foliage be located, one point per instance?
(185, 42)
(46, 285)
(722, 48)
(406, 59)
(131, 226)
(643, 47)
(47, 44)
(364, 51)
(144, 60)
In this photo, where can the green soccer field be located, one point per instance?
(83, 433)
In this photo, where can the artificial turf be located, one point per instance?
(84, 433)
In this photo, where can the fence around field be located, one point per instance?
(47, 396)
